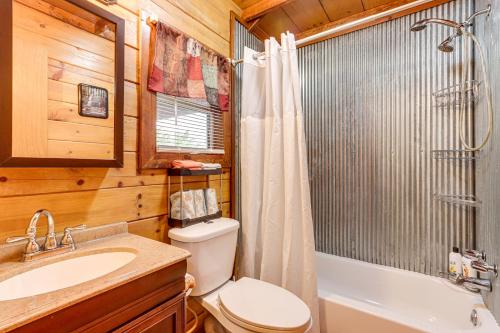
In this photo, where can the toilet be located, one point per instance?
(246, 305)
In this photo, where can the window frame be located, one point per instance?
(149, 157)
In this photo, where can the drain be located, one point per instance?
(474, 318)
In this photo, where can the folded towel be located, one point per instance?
(211, 166)
(211, 201)
(188, 211)
(187, 164)
(199, 203)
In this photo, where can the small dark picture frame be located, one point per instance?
(92, 101)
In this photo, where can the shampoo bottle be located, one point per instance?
(455, 262)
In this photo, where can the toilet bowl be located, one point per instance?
(247, 305)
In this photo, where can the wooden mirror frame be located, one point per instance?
(6, 101)
(149, 157)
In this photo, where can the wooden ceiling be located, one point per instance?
(272, 17)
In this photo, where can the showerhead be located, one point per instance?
(421, 25)
(418, 26)
(447, 45)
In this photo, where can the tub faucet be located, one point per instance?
(50, 247)
(470, 283)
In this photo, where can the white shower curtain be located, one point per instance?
(277, 229)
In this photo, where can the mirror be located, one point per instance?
(61, 84)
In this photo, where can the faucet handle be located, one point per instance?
(68, 238)
(31, 247)
(474, 254)
(482, 266)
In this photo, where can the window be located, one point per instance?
(172, 128)
(188, 126)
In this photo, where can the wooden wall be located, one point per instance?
(97, 196)
(50, 58)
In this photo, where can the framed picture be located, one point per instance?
(92, 101)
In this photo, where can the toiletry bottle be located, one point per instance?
(455, 262)
(468, 271)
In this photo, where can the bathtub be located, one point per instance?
(357, 297)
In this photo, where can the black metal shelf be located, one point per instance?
(174, 223)
(189, 172)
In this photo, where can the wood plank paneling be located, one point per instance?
(29, 129)
(67, 53)
(62, 131)
(63, 111)
(43, 24)
(105, 195)
(306, 14)
(83, 150)
(338, 9)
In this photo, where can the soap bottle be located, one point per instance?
(468, 271)
(455, 262)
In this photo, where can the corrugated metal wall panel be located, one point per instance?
(488, 166)
(242, 37)
(371, 127)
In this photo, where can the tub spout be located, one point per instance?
(469, 283)
(475, 284)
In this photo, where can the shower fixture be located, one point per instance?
(448, 45)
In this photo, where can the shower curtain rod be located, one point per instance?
(345, 26)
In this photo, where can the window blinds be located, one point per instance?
(188, 126)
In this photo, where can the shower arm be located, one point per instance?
(471, 18)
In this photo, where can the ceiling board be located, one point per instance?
(306, 14)
(277, 22)
(369, 4)
(337, 9)
(245, 3)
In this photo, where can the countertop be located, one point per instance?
(151, 256)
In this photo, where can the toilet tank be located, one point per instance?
(212, 246)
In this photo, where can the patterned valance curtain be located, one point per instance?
(183, 67)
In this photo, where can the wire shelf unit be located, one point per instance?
(459, 199)
(454, 154)
(452, 96)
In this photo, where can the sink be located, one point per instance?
(63, 274)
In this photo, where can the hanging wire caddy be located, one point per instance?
(452, 96)
(454, 154)
(459, 199)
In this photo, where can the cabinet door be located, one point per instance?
(168, 317)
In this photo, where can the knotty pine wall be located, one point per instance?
(97, 196)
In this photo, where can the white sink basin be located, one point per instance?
(63, 274)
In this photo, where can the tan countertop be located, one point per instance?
(151, 256)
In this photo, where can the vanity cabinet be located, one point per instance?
(152, 303)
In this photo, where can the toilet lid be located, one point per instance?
(264, 307)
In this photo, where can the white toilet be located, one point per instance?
(247, 305)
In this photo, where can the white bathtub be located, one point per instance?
(357, 297)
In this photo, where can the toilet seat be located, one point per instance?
(263, 307)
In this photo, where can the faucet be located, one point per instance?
(470, 283)
(479, 264)
(50, 246)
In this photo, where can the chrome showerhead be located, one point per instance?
(421, 25)
(447, 45)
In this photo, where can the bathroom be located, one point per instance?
(249, 166)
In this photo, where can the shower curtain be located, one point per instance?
(277, 229)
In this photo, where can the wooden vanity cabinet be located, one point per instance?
(152, 303)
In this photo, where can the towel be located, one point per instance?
(199, 203)
(187, 164)
(211, 201)
(211, 166)
(188, 211)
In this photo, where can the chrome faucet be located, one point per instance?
(470, 283)
(50, 247)
(479, 264)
